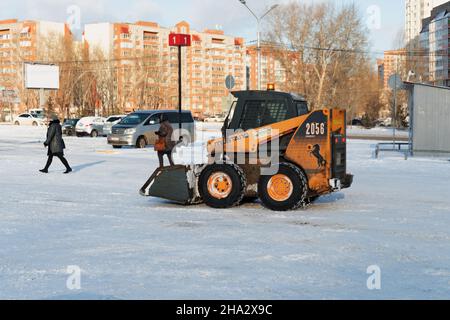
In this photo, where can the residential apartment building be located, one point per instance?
(21, 41)
(416, 11)
(392, 64)
(434, 41)
(272, 70)
(147, 68)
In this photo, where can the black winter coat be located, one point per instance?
(54, 140)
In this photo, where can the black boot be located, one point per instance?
(48, 164)
(66, 164)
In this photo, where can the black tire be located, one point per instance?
(94, 134)
(34, 124)
(141, 143)
(298, 197)
(117, 147)
(238, 182)
(17, 123)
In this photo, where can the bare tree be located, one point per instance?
(324, 52)
(62, 50)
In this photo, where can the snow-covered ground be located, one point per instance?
(396, 216)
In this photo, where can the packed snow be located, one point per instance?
(396, 216)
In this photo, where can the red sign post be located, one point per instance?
(179, 40)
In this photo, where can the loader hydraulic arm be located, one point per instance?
(249, 141)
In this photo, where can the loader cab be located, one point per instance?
(255, 109)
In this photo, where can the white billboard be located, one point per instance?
(41, 76)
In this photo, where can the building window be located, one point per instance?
(25, 43)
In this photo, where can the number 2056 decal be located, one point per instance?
(315, 129)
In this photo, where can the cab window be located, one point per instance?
(302, 108)
(276, 111)
(260, 113)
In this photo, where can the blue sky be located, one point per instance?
(230, 15)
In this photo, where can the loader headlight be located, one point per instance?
(130, 131)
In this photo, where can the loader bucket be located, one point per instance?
(177, 183)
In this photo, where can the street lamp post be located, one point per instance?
(258, 24)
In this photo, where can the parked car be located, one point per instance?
(198, 116)
(219, 118)
(138, 129)
(27, 119)
(384, 122)
(90, 126)
(110, 122)
(68, 127)
(37, 113)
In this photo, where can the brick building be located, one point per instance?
(392, 63)
(272, 70)
(21, 41)
(143, 47)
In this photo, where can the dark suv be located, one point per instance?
(68, 127)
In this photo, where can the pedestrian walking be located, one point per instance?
(164, 145)
(55, 145)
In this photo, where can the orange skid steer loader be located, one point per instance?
(273, 148)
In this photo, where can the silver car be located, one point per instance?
(138, 129)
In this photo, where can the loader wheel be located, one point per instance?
(285, 190)
(222, 185)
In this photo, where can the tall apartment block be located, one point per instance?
(272, 70)
(144, 46)
(392, 64)
(416, 11)
(21, 41)
(434, 41)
